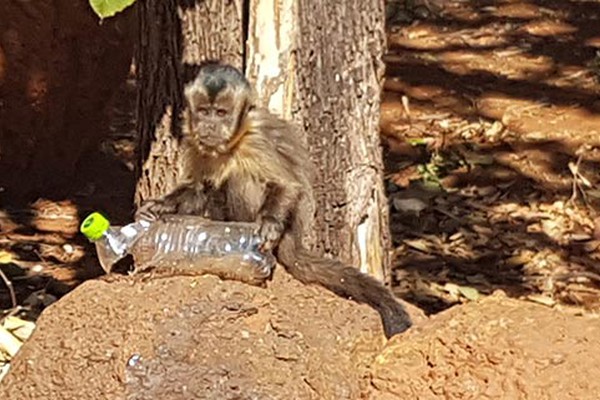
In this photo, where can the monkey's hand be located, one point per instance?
(186, 200)
(151, 210)
(270, 231)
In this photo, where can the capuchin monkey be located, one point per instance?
(242, 163)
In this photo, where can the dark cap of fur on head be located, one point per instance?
(216, 76)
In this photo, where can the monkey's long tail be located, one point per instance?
(344, 281)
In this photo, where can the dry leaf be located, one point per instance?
(5, 257)
(20, 328)
(412, 205)
(518, 260)
(8, 342)
(452, 289)
(541, 299)
(469, 292)
(578, 237)
(494, 130)
(3, 370)
(418, 244)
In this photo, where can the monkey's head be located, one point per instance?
(218, 100)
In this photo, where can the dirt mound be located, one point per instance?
(497, 348)
(180, 338)
(176, 338)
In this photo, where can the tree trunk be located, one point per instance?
(174, 36)
(272, 38)
(318, 62)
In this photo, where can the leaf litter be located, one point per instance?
(493, 157)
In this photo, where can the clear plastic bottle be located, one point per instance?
(186, 244)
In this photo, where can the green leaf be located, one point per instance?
(108, 8)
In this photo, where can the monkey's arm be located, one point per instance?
(188, 198)
(274, 214)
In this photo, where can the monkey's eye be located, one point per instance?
(221, 112)
(202, 110)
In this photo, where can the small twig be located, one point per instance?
(448, 214)
(406, 107)
(11, 312)
(577, 177)
(574, 172)
(42, 259)
(581, 274)
(11, 289)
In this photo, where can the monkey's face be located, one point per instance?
(217, 102)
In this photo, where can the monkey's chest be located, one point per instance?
(244, 197)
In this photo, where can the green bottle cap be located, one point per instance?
(94, 226)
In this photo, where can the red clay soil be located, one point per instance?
(197, 338)
(497, 348)
(203, 338)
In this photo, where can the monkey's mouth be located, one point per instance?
(211, 150)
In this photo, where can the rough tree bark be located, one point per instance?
(316, 62)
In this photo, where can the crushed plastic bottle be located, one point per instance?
(186, 244)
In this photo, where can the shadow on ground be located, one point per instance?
(66, 128)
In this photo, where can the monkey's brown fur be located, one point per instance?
(245, 164)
